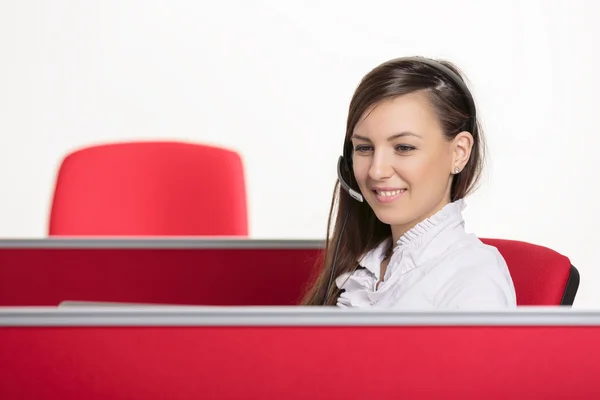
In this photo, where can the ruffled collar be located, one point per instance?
(420, 235)
(360, 287)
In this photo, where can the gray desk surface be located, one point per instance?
(286, 316)
(158, 243)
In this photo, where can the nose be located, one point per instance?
(381, 167)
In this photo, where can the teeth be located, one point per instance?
(390, 193)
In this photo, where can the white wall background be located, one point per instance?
(272, 79)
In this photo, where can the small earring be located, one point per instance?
(456, 170)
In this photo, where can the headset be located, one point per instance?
(344, 165)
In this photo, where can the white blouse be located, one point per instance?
(435, 265)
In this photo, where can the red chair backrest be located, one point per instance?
(150, 189)
(541, 276)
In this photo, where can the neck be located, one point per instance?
(399, 230)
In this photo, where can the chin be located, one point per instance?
(393, 217)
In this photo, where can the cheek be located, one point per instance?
(361, 171)
(361, 180)
(426, 172)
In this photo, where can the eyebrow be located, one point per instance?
(396, 136)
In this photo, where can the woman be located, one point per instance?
(413, 150)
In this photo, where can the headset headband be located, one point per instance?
(456, 79)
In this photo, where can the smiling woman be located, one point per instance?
(413, 150)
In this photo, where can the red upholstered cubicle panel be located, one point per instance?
(157, 363)
(218, 276)
(171, 276)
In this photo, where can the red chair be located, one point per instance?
(150, 189)
(542, 277)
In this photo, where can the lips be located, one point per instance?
(389, 193)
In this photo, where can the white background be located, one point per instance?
(272, 79)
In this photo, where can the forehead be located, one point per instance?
(407, 113)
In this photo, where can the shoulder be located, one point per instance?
(476, 276)
(472, 255)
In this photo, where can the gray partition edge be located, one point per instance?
(186, 242)
(286, 316)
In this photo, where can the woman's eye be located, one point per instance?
(404, 148)
(362, 148)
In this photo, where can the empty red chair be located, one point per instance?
(150, 189)
(542, 277)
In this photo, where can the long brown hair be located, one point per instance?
(361, 229)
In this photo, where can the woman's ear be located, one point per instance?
(462, 143)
